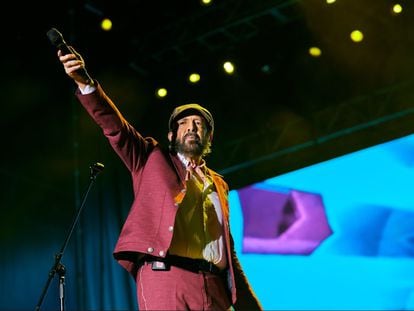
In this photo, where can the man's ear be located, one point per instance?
(170, 135)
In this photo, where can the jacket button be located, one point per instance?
(170, 228)
(150, 249)
(161, 253)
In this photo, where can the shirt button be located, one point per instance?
(150, 249)
(170, 228)
(161, 253)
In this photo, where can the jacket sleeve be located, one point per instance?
(246, 298)
(127, 142)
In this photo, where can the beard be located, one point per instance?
(192, 148)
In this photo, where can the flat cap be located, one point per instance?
(189, 109)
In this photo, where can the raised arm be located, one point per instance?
(127, 142)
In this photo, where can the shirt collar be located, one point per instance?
(184, 160)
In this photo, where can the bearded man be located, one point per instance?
(176, 241)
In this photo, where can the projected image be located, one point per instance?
(282, 222)
(333, 236)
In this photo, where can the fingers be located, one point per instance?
(66, 57)
(73, 65)
(70, 60)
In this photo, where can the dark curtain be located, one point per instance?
(43, 185)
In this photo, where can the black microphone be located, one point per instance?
(97, 167)
(56, 38)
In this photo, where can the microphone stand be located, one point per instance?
(58, 267)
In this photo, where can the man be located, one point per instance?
(176, 240)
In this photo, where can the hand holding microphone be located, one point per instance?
(71, 60)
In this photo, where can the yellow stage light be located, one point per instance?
(162, 92)
(397, 8)
(228, 67)
(194, 78)
(205, 2)
(106, 24)
(315, 51)
(357, 36)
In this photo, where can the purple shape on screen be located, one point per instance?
(275, 222)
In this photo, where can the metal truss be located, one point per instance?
(357, 121)
(221, 26)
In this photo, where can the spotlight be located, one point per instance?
(357, 36)
(315, 51)
(397, 9)
(161, 92)
(194, 77)
(205, 2)
(228, 67)
(106, 24)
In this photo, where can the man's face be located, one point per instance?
(192, 135)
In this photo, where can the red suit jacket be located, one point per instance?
(158, 184)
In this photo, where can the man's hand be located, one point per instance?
(75, 68)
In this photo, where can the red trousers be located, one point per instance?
(178, 289)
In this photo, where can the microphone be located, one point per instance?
(56, 38)
(96, 168)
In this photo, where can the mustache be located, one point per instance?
(192, 135)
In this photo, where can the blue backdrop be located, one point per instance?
(368, 263)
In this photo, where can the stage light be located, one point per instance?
(106, 24)
(194, 78)
(228, 67)
(330, 1)
(315, 51)
(397, 8)
(161, 92)
(357, 36)
(205, 2)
